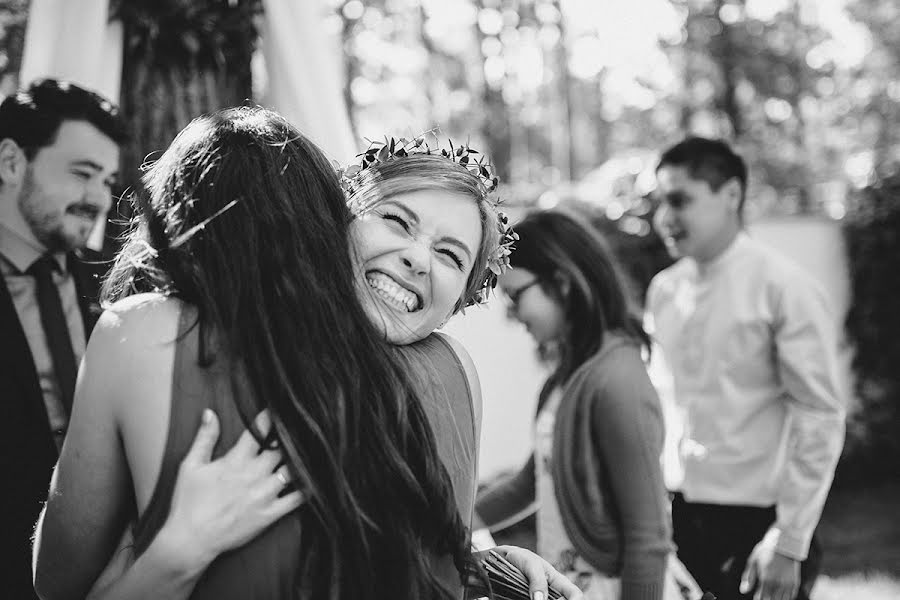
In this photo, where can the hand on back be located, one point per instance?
(221, 504)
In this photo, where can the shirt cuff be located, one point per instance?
(787, 543)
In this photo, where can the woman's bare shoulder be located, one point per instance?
(132, 337)
(140, 321)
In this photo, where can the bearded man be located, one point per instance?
(59, 154)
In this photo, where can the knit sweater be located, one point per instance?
(608, 481)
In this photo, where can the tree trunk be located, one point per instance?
(495, 125)
(160, 97)
(161, 100)
(724, 52)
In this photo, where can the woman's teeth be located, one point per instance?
(393, 293)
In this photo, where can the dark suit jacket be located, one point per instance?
(27, 449)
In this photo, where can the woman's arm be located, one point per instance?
(90, 499)
(509, 501)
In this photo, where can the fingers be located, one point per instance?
(533, 567)
(286, 504)
(537, 580)
(247, 446)
(561, 584)
(269, 460)
(761, 591)
(275, 483)
(779, 590)
(771, 590)
(748, 578)
(247, 456)
(205, 441)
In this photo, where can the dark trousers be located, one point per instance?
(714, 542)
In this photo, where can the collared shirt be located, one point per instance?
(16, 256)
(751, 344)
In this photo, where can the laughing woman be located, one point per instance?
(238, 292)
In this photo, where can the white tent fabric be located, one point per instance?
(74, 41)
(304, 77)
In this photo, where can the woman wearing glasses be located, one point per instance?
(594, 479)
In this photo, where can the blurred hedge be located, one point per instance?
(641, 255)
(872, 234)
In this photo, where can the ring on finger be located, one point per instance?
(282, 477)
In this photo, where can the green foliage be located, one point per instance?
(872, 233)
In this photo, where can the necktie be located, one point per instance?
(56, 330)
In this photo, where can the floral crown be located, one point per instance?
(396, 149)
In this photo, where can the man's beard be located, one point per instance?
(47, 227)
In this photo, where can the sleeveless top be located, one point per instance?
(265, 567)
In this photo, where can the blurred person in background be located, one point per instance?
(751, 342)
(595, 478)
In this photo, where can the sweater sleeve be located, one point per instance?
(629, 432)
(508, 501)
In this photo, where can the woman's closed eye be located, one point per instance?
(397, 219)
(452, 256)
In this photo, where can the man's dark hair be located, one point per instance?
(32, 116)
(712, 161)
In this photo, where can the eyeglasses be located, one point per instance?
(516, 295)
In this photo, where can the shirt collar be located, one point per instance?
(21, 253)
(726, 257)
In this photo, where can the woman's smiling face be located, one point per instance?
(414, 252)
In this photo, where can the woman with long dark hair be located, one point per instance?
(594, 479)
(237, 292)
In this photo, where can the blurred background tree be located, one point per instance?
(181, 60)
(555, 88)
(573, 99)
(13, 17)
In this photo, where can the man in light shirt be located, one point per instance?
(751, 344)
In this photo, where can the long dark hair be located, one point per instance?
(246, 221)
(577, 269)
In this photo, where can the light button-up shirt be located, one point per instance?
(751, 344)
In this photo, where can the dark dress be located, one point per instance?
(264, 568)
